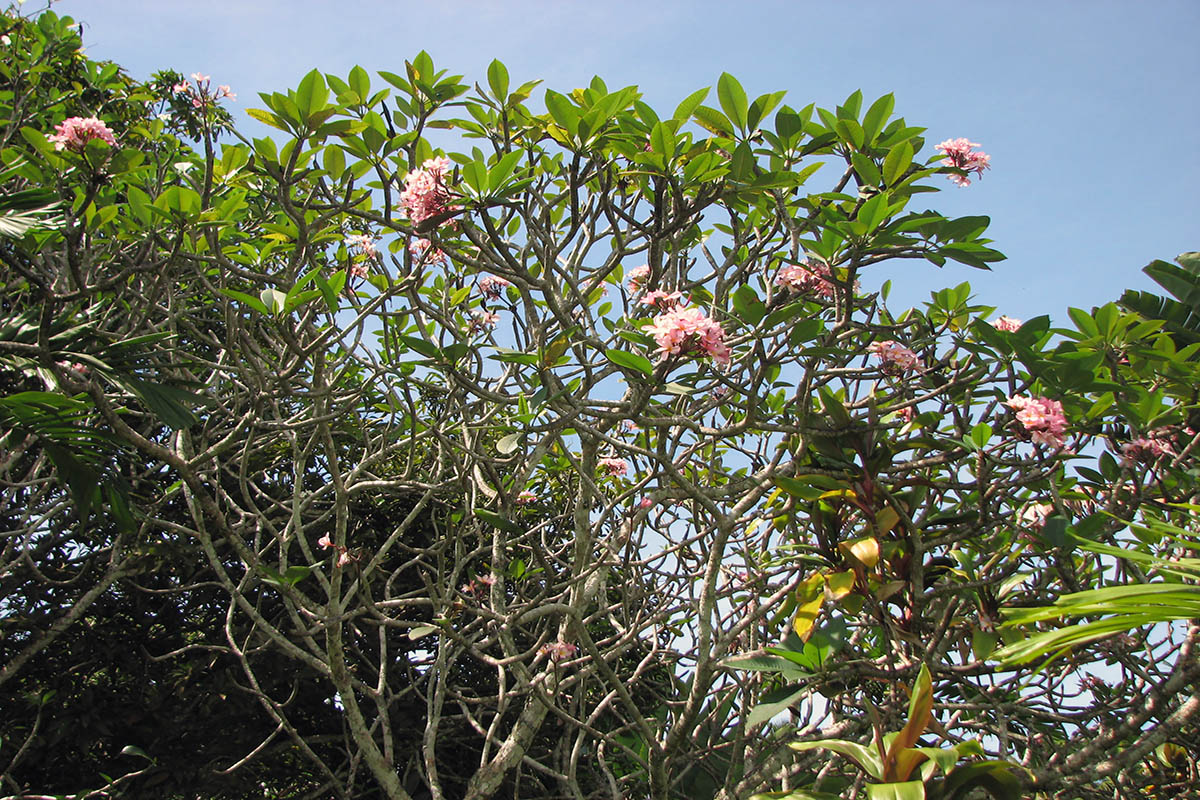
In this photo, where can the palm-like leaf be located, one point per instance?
(1181, 315)
(1121, 608)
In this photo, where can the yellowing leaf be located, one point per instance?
(886, 519)
(839, 585)
(865, 551)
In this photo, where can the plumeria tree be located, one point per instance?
(501, 442)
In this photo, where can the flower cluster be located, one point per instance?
(558, 650)
(687, 330)
(526, 498)
(637, 278)
(491, 287)
(812, 277)
(1145, 449)
(1034, 515)
(344, 556)
(479, 586)
(423, 251)
(1009, 324)
(425, 194)
(75, 132)
(894, 357)
(612, 466)
(959, 154)
(201, 94)
(362, 247)
(1042, 418)
(663, 301)
(483, 321)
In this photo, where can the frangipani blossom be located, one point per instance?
(812, 277)
(663, 301)
(558, 650)
(612, 466)
(894, 357)
(687, 330)
(959, 154)
(74, 133)
(526, 497)
(425, 194)
(1146, 449)
(1042, 418)
(491, 286)
(483, 321)
(423, 251)
(202, 94)
(637, 278)
(1009, 324)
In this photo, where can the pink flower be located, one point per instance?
(688, 330)
(612, 466)
(183, 87)
(224, 91)
(364, 244)
(526, 498)
(1006, 324)
(663, 301)
(1146, 450)
(483, 321)
(425, 194)
(423, 251)
(894, 358)
(645, 502)
(908, 414)
(960, 155)
(1034, 515)
(813, 277)
(75, 132)
(491, 287)
(344, 558)
(637, 277)
(325, 542)
(198, 78)
(558, 650)
(1042, 418)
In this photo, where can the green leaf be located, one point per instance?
(497, 521)
(623, 358)
(898, 160)
(425, 348)
(713, 121)
(498, 80)
(760, 661)
(981, 434)
(134, 750)
(360, 83)
(733, 99)
(421, 631)
(168, 403)
(312, 94)
(775, 702)
(865, 757)
(909, 790)
(508, 444)
(295, 574)
(747, 305)
(684, 110)
(876, 116)
(662, 139)
(563, 111)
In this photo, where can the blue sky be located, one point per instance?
(1088, 109)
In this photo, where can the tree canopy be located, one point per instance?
(473, 439)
